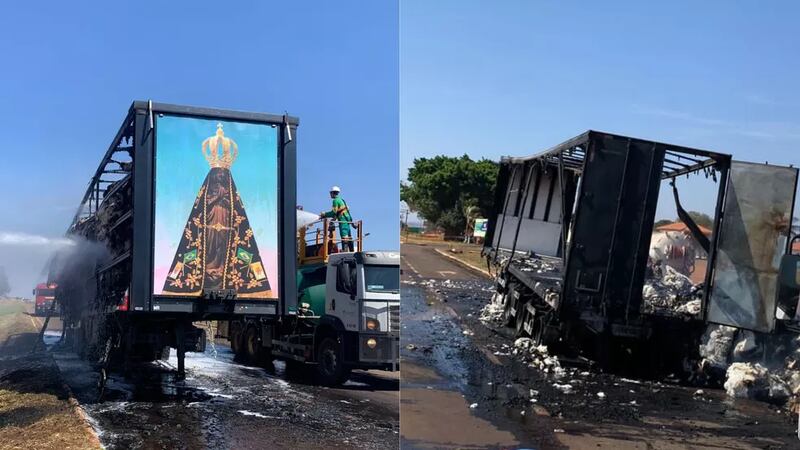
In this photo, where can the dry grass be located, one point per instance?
(36, 411)
(11, 306)
(14, 321)
(41, 421)
(469, 253)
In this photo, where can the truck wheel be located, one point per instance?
(163, 355)
(236, 341)
(252, 345)
(330, 365)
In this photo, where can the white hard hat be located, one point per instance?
(336, 189)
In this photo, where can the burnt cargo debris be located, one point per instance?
(188, 217)
(571, 243)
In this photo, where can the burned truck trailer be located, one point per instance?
(569, 240)
(189, 217)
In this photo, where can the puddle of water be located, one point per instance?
(434, 336)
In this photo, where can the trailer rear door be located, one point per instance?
(753, 235)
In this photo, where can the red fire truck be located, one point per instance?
(45, 295)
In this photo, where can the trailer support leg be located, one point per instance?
(180, 339)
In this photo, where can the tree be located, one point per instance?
(701, 219)
(661, 222)
(443, 188)
(5, 287)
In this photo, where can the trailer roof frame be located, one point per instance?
(702, 158)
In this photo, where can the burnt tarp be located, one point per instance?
(612, 225)
(753, 236)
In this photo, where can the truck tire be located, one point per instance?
(252, 345)
(164, 354)
(236, 340)
(330, 364)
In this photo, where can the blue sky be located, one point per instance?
(517, 77)
(72, 70)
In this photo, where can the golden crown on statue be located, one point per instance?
(211, 149)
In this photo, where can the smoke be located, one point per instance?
(24, 239)
(73, 268)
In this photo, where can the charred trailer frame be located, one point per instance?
(584, 211)
(109, 303)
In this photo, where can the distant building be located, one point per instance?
(673, 245)
(681, 227)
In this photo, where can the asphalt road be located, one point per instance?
(225, 405)
(459, 371)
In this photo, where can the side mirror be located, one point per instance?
(789, 275)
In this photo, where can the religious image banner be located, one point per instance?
(216, 207)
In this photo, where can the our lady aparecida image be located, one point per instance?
(218, 249)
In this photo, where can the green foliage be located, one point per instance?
(699, 218)
(702, 219)
(662, 222)
(442, 189)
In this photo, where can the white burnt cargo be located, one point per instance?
(569, 240)
(189, 217)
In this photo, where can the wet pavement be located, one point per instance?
(224, 404)
(463, 386)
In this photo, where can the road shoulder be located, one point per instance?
(37, 410)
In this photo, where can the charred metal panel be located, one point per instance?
(287, 193)
(594, 223)
(613, 222)
(634, 227)
(141, 272)
(538, 204)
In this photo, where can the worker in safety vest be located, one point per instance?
(341, 213)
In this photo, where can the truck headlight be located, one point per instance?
(373, 324)
(371, 343)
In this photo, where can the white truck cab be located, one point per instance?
(363, 293)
